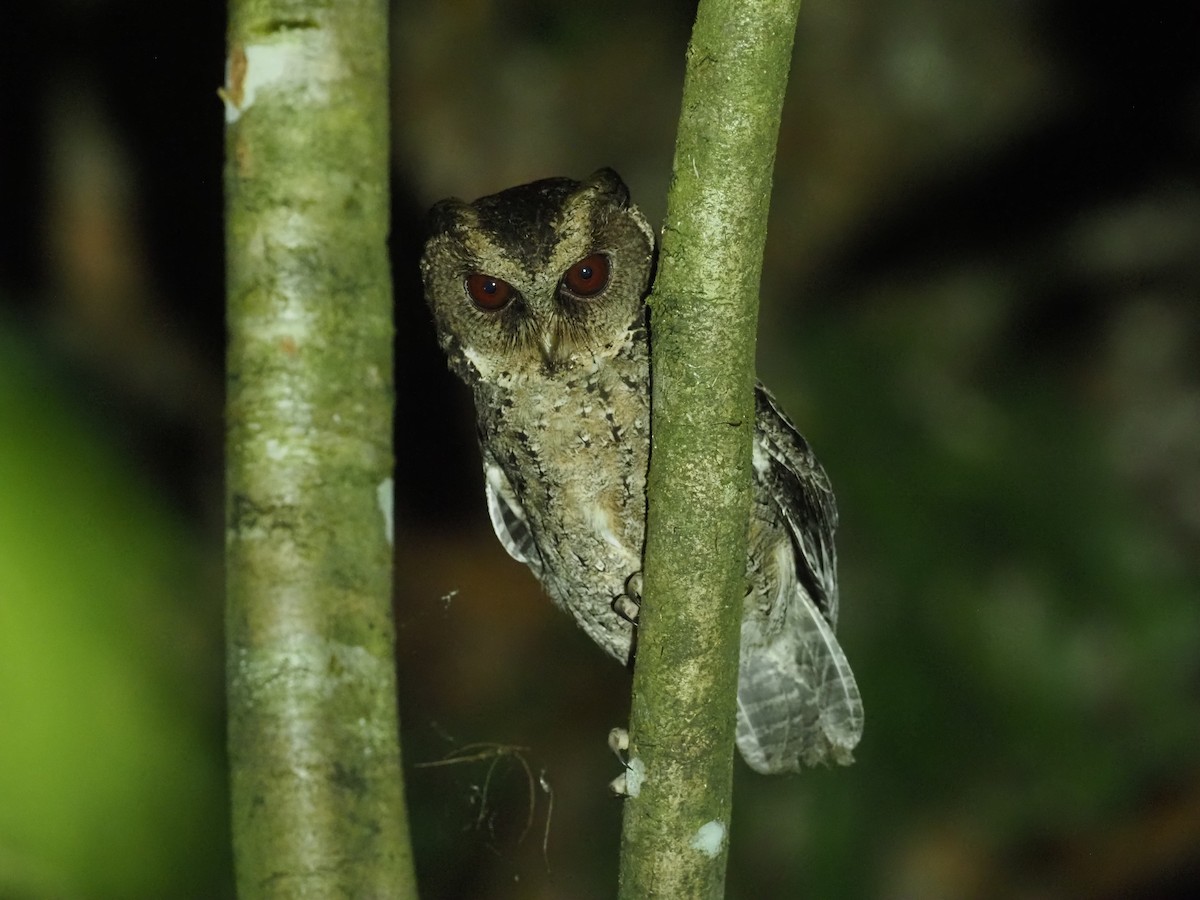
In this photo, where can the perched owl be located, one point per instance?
(539, 294)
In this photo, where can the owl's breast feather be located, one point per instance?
(576, 452)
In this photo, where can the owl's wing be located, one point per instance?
(788, 468)
(508, 516)
(798, 701)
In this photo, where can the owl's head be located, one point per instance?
(538, 277)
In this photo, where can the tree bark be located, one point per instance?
(704, 311)
(317, 794)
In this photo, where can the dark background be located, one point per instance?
(981, 302)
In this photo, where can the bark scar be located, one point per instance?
(235, 79)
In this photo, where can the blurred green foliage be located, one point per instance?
(111, 784)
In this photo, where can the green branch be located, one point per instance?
(318, 802)
(704, 311)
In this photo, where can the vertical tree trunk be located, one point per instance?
(318, 803)
(704, 311)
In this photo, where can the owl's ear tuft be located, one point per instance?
(444, 216)
(607, 181)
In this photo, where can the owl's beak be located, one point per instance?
(548, 347)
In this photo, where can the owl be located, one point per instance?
(539, 298)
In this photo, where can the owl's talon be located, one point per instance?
(627, 604)
(626, 607)
(618, 742)
(633, 588)
(618, 787)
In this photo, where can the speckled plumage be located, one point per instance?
(562, 394)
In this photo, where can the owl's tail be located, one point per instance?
(798, 703)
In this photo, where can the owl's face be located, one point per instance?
(538, 277)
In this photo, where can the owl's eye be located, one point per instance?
(488, 293)
(588, 276)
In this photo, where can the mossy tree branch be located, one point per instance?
(318, 801)
(704, 312)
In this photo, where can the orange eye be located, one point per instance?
(588, 276)
(488, 293)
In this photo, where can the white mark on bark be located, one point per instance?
(635, 777)
(300, 61)
(709, 839)
(383, 495)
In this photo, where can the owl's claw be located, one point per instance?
(618, 742)
(626, 605)
(626, 608)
